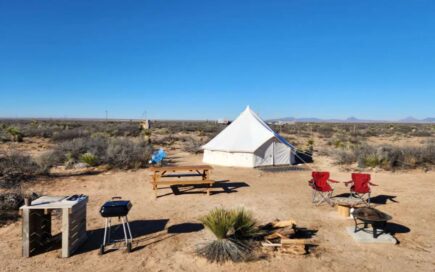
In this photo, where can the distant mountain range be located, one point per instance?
(410, 119)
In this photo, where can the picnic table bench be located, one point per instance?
(176, 175)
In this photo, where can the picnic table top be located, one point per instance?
(180, 168)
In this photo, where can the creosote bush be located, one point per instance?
(385, 156)
(10, 202)
(125, 153)
(122, 153)
(234, 230)
(16, 168)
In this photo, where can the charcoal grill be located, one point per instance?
(367, 215)
(116, 208)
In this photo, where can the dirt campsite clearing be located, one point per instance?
(167, 231)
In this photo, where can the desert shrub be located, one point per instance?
(343, 156)
(369, 160)
(207, 127)
(70, 134)
(125, 153)
(89, 159)
(119, 152)
(164, 141)
(39, 130)
(422, 133)
(72, 150)
(233, 230)
(15, 134)
(16, 168)
(124, 129)
(10, 202)
(194, 146)
(385, 156)
(325, 131)
(4, 136)
(46, 160)
(9, 205)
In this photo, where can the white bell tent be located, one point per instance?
(248, 142)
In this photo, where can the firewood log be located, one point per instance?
(284, 223)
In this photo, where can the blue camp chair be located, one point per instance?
(158, 156)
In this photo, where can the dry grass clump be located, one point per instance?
(234, 230)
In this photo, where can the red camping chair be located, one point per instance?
(361, 186)
(322, 191)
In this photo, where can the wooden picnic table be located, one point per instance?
(176, 175)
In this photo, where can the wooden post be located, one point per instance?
(343, 210)
(65, 232)
(25, 233)
(36, 231)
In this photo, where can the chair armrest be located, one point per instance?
(335, 181)
(372, 184)
(348, 182)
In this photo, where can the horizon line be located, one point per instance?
(295, 120)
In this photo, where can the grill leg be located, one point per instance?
(128, 228)
(125, 232)
(105, 232)
(109, 230)
(374, 231)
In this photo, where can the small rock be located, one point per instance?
(81, 165)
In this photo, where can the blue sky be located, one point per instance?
(209, 59)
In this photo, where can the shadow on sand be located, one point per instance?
(139, 228)
(284, 168)
(379, 199)
(394, 228)
(382, 199)
(145, 233)
(225, 186)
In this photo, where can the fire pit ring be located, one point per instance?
(372, 216)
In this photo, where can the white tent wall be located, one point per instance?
(281, 153)
(264, 154)
(237, 159)
(273, 152)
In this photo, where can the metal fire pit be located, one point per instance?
(371, 216)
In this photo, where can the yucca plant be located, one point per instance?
(89, 159)
(15, 133)
(233, 230)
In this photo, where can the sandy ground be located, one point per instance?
(31, 145)
(165, 241)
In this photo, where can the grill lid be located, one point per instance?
(115, 208)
